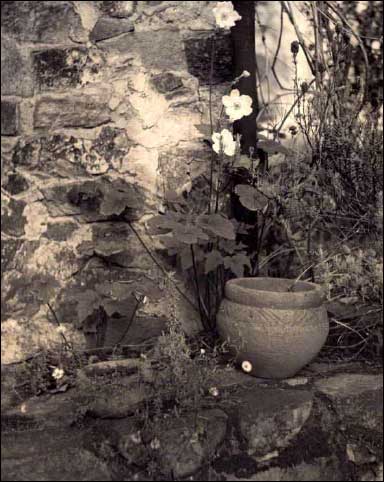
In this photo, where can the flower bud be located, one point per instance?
(295, 46)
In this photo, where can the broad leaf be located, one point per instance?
(212, 261)
(189, 234)
(250, 197)
(237, 263)
(217, 225)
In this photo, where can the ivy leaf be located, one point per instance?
(243, 161)
(213, 260)
(272, 147)
(231, 246)
(250, 197)
(217, 225)
(186, 257)
(168, 221)
(237, 263)
(88, 302)
(189, 234)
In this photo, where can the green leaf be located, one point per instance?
(88, 302)
(243, 161)
(169, 220)
(186, 257)
(217, 225)
(189, 234)
(250, 197)
(237, 263)
(212, 261)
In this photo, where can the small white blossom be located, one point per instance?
(136, 438)
(58, 373)
(202, 351)
(245, 74)
(223, 142)
(214, 392)
(225, 15)
(61, 329)
(236, 105)
(376, 45)
(246, 366)
(155, 444)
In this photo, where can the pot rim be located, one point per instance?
(266, 292)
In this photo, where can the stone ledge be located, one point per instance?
(255, 430)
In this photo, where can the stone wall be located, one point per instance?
(99, 100)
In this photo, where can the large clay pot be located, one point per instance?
(275, 330)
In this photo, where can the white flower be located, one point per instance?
(61, 329)
(223, 142)
(376, 45)
(202, 351)
(245, 74)
(155, 444)
(246, 366)
(236, 105)
(58, 373)
(214, 392)
(225, 15)
(136, 438)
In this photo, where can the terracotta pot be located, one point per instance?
(276, 331)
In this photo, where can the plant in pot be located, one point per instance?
(230, 223)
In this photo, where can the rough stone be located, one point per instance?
(68, 156)
(16, 183)
(117, 8)
(97, 200)
(320, 469)
(71, 110)
(166, 82)
(62, 68)
(60, 231)
(12, 218)
(358, 398)
(118, 401)
(16, 76)
(9, 118)
(148, 48)
(197, 51)
(271, 418)
(50, 455)
(106, 28)
(190, 441)
(9, 248)
(43, 22)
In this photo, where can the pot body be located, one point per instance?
(277, 331)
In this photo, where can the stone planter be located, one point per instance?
(275, 330)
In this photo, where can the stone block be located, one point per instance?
(166, 82)
(59, 68)
(107, 27)
(270, 419)
(9, 118)
(16, 71)
(71, 110)
(198, 54)
(158, 50)
(118, 9)
(42, 22)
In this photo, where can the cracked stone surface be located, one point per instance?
(256, 430)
